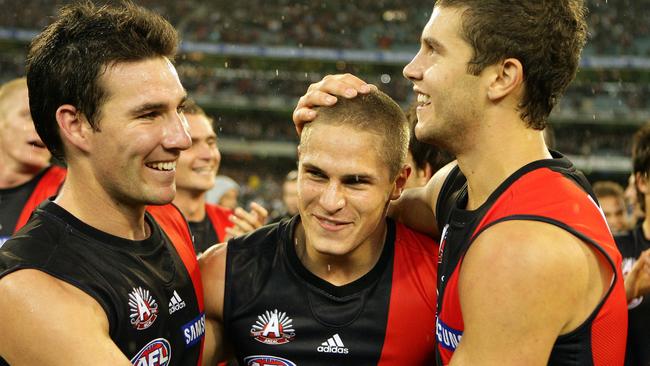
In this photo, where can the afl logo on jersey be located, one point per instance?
(144, 309)
(273, 328)
(267, 361)
(156, 353)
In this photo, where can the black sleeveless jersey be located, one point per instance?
(631, 244)
(276, 312)
(143, 286)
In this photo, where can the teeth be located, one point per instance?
(423, 99)
(165, 166)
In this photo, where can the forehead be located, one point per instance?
(445, 26)
(199, 125)
(342, 150)
(142, 82)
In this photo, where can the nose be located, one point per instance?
(333, 198)
(176, 135)
(413, 70)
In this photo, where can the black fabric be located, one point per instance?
(264, 274)
(110, 269)
(12, 201)
(459, 226)
(631, 244)
(203, 234)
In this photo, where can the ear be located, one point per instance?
(428, 172)
(641, 182)
(400, 182)
(507, 78)
(75, 130)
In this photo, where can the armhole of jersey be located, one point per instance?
(227, 304)
(110, 316)
(580, 236)
(443, 202)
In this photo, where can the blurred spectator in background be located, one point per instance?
(26, 176)
(224, 193)
(195, 175)
(289, 197)
(611, 199)
(635, 248)
(425, 159)
(632, 201)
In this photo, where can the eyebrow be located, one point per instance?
(431, 42)
(344, 178)
(148, 107)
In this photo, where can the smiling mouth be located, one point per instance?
(162, 166)
(331, 225)
(423, 99)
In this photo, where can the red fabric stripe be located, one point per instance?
(174, 225)
(46, 187)
(410, 329)
(219, 217)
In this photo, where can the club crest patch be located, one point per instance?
(144, 309)
(263, 360)
(273, 328)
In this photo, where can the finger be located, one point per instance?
(346, 85)
(241, 224)
(248, 217)
(260, 211)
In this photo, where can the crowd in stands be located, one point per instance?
(619, 27)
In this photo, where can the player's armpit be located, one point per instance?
(515, 296)
(45, 321)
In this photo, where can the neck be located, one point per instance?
(13, 174)
(95, 207)
(341, 270)
(496, 155)
(191, 204)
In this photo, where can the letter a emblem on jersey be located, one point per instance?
(144, 309)
(273, 327)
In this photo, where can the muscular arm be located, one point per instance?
(45, 321)
(213, 272)
(515, 296)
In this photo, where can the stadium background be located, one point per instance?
(247, 62)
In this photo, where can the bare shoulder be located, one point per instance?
(41, 315)
(537, 260)
(522, 284)
(213, 273)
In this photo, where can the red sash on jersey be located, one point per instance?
(548, 196)
(174, 225)
(219, 217)
(46, 187)
(410, 329)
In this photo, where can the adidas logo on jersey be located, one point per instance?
(176, 303)
(334, 344)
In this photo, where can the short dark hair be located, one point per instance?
(374, 112)
(607, 188)
(423, 153)
(641, 158)
(66, 61)
(546, 36)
